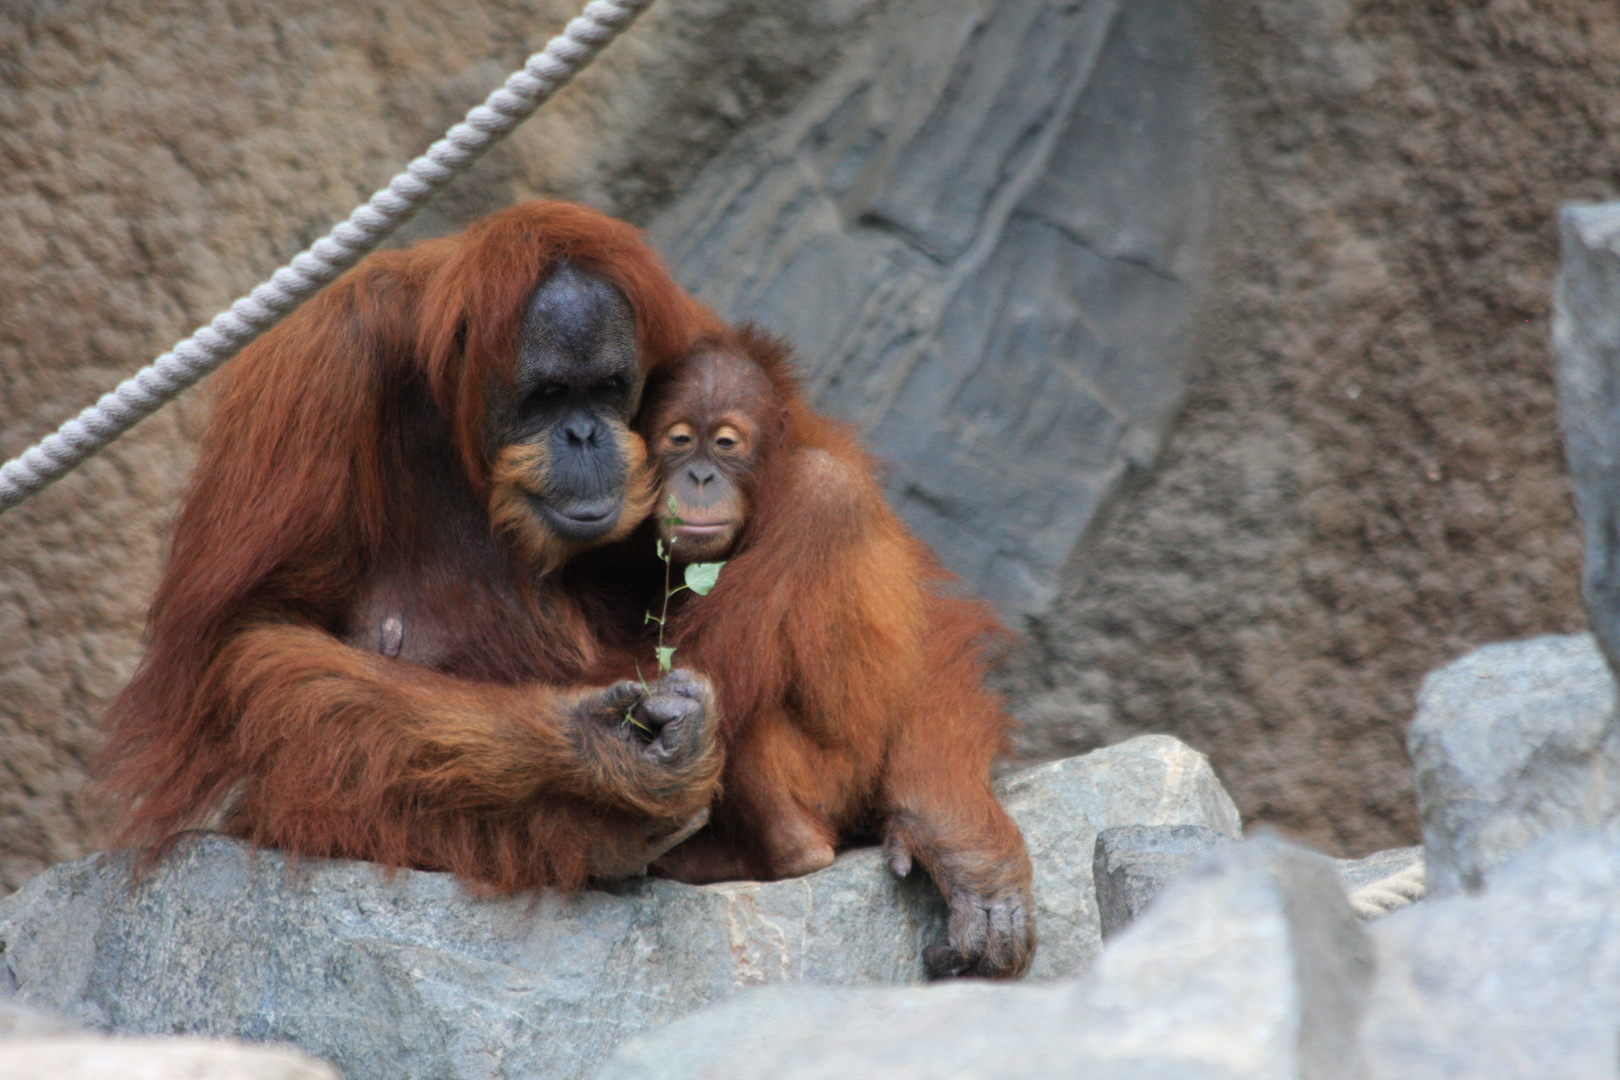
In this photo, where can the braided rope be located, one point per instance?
(1396, 891)
(232, 330)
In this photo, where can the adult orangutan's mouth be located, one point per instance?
(580, 521)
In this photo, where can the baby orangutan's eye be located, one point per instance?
(680, 439)
(727, 437)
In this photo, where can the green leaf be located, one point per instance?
(674, 507)
(666, 658)
(661, 554)
(701, 576)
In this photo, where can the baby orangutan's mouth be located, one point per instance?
(702, 528)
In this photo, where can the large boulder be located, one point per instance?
(407, 976)
(1511, 742)
(1063, 805)
(1252, 965)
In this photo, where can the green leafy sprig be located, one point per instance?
(699, 578)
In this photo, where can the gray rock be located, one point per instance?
(1132, 864)
(1521, 981)
(407, 976)
(983, 230)
(1252, 963)
(1586, 347)
(1250, 966)
(411, 977)
(1512, 741)
(1062, 806)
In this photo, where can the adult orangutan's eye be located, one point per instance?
(547, 393)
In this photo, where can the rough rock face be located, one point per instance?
(983, 231)
(1132, 864)
(409, 977)
(1514, 741)
(1365, 480)
(1063, 805)
(1251, 966)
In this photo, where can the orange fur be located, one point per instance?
(851, 679)
(343, 473)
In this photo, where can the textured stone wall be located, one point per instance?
(1366, 478)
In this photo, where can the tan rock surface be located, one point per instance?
(1367, 479)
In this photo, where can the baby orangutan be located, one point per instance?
(850, 685)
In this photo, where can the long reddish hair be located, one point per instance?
(345, 439)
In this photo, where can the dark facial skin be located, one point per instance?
(707, 439)
(576, 382)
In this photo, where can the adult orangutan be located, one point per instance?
(359, 647)
(850, 681)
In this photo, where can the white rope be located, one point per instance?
(232, 330)
(1396, 891)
